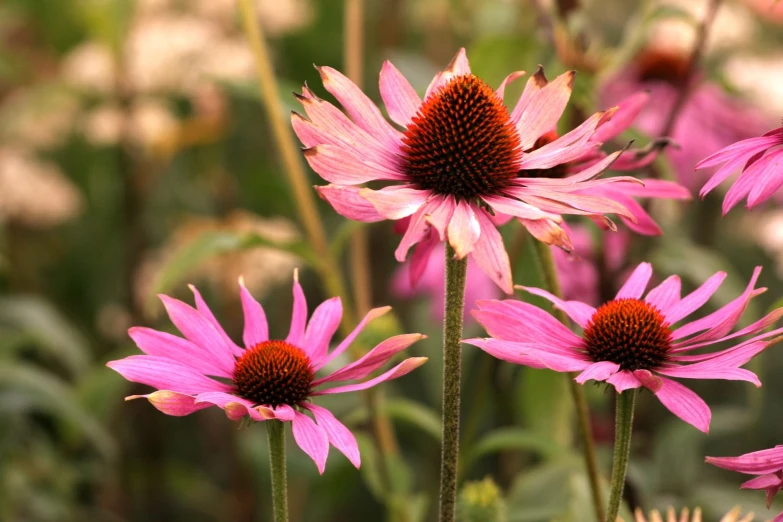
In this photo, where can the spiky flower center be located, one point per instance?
(629, 332)
(273, 373)
(462, 141)
(558, 171)
(663, 65)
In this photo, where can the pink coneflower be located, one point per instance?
(768, 464)
(709, 120)
(461, 157)
(761, 169)
(268, 379)
(631, 342)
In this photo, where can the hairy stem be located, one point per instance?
(622, 450)
(547, 262)
(275, 431)
(456, 270)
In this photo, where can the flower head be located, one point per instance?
(268, 378)
(631, 342)
(761, 169)
(461, 159)
(767, 464)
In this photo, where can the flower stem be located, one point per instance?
(275, 431)
(622, 450)
(547, 261)
(456, 270)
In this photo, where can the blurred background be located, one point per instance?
(136, 157)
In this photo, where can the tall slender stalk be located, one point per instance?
(622, 450)
(544, 255)
(297, 178)
(456, 270)
(275, 432)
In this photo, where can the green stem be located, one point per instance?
(275, 431)
(456, 270)
(547, 261)
(622, 450)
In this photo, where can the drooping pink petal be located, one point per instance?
(463, 229)
(199, 330)
(517, 208)
(685, 404)
(312, 439)
(165, 374)
(171, 403)
(490, 254)
(372, 360)
(417, 230)
(235, 407)
(549, 232)
(359, 107)
(204, 310)
(624, 380)
(501, 90)
(599, 371)
(439, 213)
(695, 300)
(770, 176)
(298, 317)
(396, 202)
(543, 111)
(348, 203)
(508, 351)
(726, 374)
(405, 367)
(339, 436)
(162, 344)
(370, 316)
(754, 463)
(344, 167)
(321, 328)
(284, 412)
(256, 327)
(629, 109)
(398, 95)
(580, 313)
(636, 283)
(420, 259)
(657, 188)
(666, 294)
(522, 322)
(771, 480)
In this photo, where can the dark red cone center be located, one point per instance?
(273, 373)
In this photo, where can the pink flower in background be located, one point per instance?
(761, 171)
(768, 464)
(710, 119)
(268, 379)
(461, 158)
(631, 342)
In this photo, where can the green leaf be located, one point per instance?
(503, 439)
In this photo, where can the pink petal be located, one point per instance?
(514, 353)
(439, 214)
(235, 407)
(490, 254)
(517, 208)
(298, 317)
(685, 404)
(284, 412)
(312, 439)
(629, 109)
(656, 188)
(666, 294)
(501, 91)
(405, 367)
(745, 148)
(769, 171)
(599, 371)
(204, 310)
(171, 403)
(419, 261)
(339, 436)
(534, 84)
(165, 345)
(544, 109)
(457, 67)
(522, 322)
(343, 167)
(371, 315)
(693, 301)
(535, 355)
(580, 313)
(398, 95)
(417, 231)
(463, 229)
(199, 330)
(372, 360)
(359, 107)
(770, 480)
(165, 374)
(321, 328)
(348, 203)
(396, 202)
(624, 380)
(754, 463)
(634, 286)
(549, 232)
(256, 327)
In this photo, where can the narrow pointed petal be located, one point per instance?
(544, 109)
(534, 84)
(549, 232)
(235, 407)
(339, 436)
(599, 371)
(343, 167)
(165, 374)
(507, 351)
(629, 109)
(162, 344)
(404, 368)
(347, 202)
(396, 202)
(685, 404)
(312, 439)
(501, 92)
(519, 321)
(754, 463)
(371, 315)
(256, 327)
(635, 285)
(321, 328)
(580, 313)
(665, 295)
(204, 310)
(695, 300)
(398, 95)
(624, 380)
(770, 480)
(463, 229)
(490, 254)
(171, 403)
(298, 317)
(417, 231)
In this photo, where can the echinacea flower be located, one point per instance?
(269, 378)
(767, 464)
(761, 169)
(461, 158)
(630, 342)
